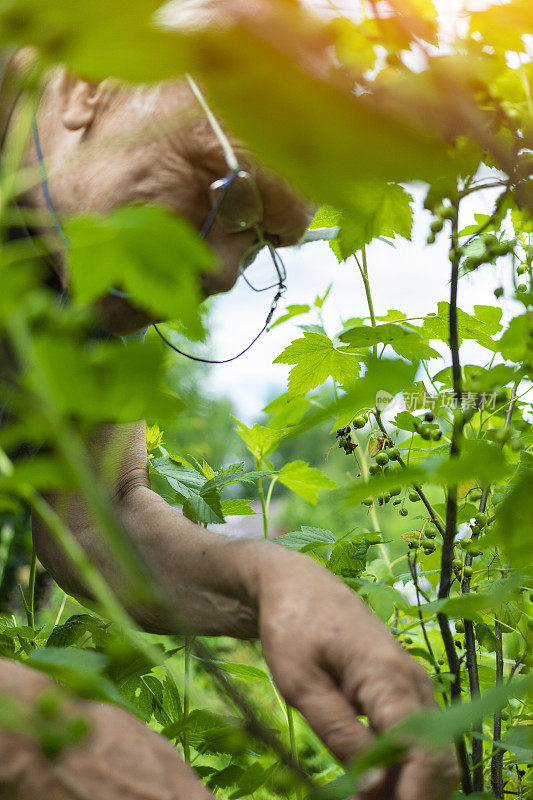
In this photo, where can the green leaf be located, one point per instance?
(204, 507)
(287, 410)
(304, 480)
(229, 776)
(383, 209)
(306, 539)
(382, 599)
(382, 375)
(259, 440)
(74, 376)
(503, 26)
(316, 359)
(126, 46)
(73, 629)
(136, 249)
(236, 508)
(261, 71)
(519, 740)
(291, 312)
(514, 519)
(228, 479)
(404, 339)
(481, 327)
(81, 670)
(184, 480)
(207, 732)
(486, 638)
(513, 343)
(244, 672)
(479, 460)
(348, 559)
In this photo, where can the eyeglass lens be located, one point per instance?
(238, 202)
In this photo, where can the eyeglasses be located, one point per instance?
(237, 202)
(237, 207)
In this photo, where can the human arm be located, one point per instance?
(118, 759)
(330, 656)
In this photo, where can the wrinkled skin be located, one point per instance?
(330, 656)
(121, 758)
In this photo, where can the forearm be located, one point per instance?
(206, 583)
(208, 580)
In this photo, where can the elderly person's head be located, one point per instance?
(108, 144)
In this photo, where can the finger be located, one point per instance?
(386, 692)
(179, 776)
(426, 774)
(332, 718)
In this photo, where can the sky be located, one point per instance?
(411, 277)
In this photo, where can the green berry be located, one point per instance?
(394, 454)
(374, 469)
(382, 459)
(395, 492)
(436, 436)
(425, 432)
(521, 269)
(468, 572)
(459, 626)
(359, 422)
(403, 512)
(515, 445)
(413, 497)
(368, 501)
(481, 519)
(386, 497)
(457, 563)
(476, 530)
(521, 288)
(437, 225)
(447, 212)
(498, 292)
(431, 535)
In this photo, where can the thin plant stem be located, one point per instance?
(293, 747)
(264, 513)
(186, 695)
(366, 282)
(288, 710)
(446, 570)
(61, 609)
(7, 534)
(269, 494)
(496, 765)
(433, 514)
(31, 589)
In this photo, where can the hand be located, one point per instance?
(122, 759)
(332, 660)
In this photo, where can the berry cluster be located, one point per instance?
(426, 430)
(345, 441)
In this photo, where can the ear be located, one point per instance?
(79, 101)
